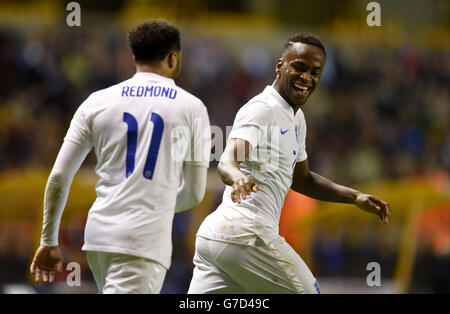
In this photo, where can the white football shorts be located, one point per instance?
(116, 273)
(272, 268)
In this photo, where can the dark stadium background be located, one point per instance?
(379, 121)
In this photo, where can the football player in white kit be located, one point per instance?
(238, 246)
(147, 133)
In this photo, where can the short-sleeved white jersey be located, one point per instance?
(277, 137)
(142, 130)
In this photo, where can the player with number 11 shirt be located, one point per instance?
(146, 132)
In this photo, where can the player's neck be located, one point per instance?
(296, 108)
(152, 68)
(277, 87)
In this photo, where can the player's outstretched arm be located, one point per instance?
(47, 258)
(193, 187)
(229, 171)
(313, 185)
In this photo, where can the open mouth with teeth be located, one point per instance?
(301, 89)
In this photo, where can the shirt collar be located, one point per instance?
(154, 77)
(274, 93)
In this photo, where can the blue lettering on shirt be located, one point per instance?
(149, 91)
(140, 91)
(165, 92)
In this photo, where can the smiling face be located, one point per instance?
(299, 72)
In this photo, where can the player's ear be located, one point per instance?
(279, 66)
(172, 59)
(134, 59)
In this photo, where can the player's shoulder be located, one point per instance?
(264, 100)
(110, 91)
(259, 106)
(99, 96)
(188, 104)
(188, 99)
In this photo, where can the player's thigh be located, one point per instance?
(157, 274)
(131, 274)
(97, 264)
(293, 266)
(267, 268)
(207, 278)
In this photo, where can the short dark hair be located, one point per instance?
(305, 38)
(153, 39)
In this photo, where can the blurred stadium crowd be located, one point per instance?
(383, 110)
(380, 113)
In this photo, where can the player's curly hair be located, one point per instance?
(153, 39)
(305, 38)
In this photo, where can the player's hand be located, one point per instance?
(242, 186)
(46, 261)
(374, 205)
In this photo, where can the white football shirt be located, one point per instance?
(142, 130)
(277, 137)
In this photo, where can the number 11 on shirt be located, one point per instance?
(155, 142)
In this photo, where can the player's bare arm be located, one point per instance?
(229, 171)
(313, 185)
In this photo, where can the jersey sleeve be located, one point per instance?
(199, 150)
(251, 123)
(302, 155)
(79, 131)
(69, 160)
